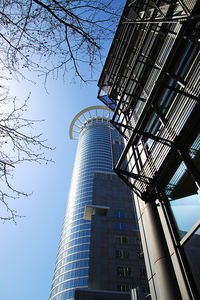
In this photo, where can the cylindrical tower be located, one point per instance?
(92, 129)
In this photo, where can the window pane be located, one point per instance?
(192, 252)
(125, 240)
(186, 212)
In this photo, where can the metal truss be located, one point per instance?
(161, 11)
(154, 61)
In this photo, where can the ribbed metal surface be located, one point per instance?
(145, 72)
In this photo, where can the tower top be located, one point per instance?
(86, 115)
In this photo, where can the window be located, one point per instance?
(120, 226)
(124, 287)
(118, 239)
(123, 226)
(120, 271)
(116, 226)
(127, 271)
(143, 272)
(121, 253)
(118, 253)
(133, 216)
(123, 271)
(119, 214)
(124, 239)
(121, 239)
(126, 253)
(117, 140)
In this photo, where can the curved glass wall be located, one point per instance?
(93, 154)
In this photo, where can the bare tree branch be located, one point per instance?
(18, 144)
(33, 34)
(48, 37)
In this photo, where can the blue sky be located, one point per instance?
(28, 249)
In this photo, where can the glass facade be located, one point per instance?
(93, 155)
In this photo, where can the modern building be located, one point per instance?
(100, 247)
(151, 81)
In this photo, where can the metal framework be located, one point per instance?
(87, 115)
(152, 74)
(151, 81)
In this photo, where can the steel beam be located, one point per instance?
(190, 166)
(189, 95)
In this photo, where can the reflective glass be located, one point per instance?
(93, 154)
(186, 212)
(191, 248)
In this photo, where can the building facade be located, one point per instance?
(99, 247)
(151, 81)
